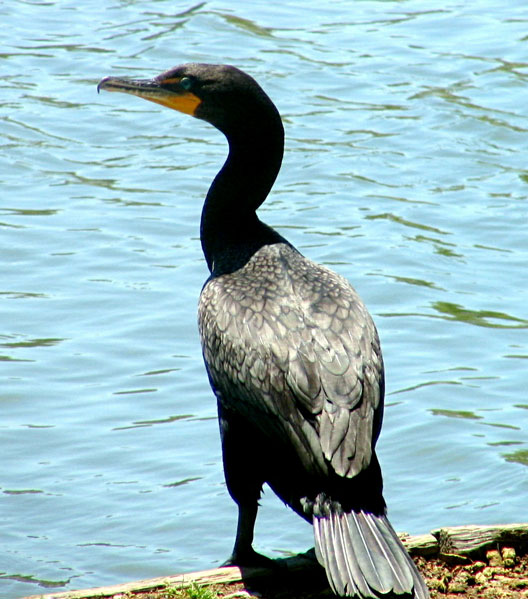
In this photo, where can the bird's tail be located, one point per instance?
(363, 556)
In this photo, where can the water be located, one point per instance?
(405, 170)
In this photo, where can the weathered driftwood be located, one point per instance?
(424, 545)
(227, 575)
(476, 539)
(206, 577)
(460, 540)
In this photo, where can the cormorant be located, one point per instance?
(291, 351)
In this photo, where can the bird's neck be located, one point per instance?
(230, 230)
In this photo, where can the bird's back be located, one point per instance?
(291, 349)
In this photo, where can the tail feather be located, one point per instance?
(390, 547)
(364, 557)
(324, 553)
(381, 574)
(348, 564)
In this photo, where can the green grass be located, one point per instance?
(193, 591)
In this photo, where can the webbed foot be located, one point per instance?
(249, 558)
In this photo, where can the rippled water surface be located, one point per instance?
(405, 170)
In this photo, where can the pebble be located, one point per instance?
(508, 557)
(494, 558)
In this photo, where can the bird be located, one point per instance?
(291, 351)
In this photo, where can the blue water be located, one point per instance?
(405, 170)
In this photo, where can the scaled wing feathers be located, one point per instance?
(294, 339)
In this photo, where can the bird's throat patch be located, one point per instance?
(187, 103)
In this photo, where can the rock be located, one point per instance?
(494, 558)
(508, 557)
(475, 567)
(461, 582)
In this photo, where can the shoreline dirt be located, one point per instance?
(487, 579)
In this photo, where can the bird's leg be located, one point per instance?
(241, 451)
(247, 516)
(243, 552)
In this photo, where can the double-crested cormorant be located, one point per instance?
(292, 353)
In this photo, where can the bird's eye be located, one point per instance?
(186, 83)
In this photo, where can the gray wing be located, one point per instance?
(290, 343)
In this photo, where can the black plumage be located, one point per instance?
(292, 353)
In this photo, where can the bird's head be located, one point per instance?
(223, 95)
